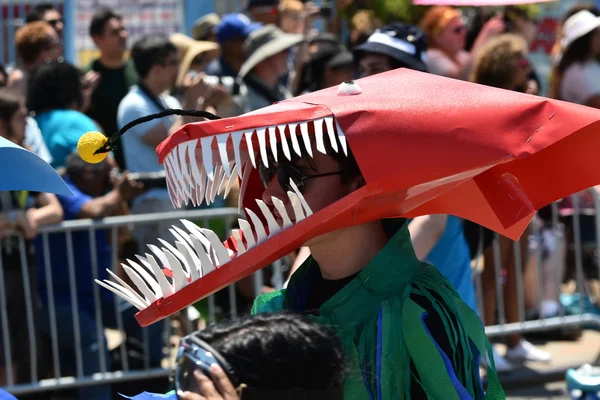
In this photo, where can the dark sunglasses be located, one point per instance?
(285, 172)
(54, 22)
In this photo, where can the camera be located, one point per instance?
(226, 81)
(150, 180)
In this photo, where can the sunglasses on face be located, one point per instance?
(287, 172)
(54, 22)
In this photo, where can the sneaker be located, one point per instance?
(502, 365)
(526, 351)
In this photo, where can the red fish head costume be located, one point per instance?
(424, 145)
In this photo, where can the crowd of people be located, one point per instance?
(234, 64)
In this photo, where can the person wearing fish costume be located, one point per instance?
(340, 170)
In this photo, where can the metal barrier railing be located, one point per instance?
(105, 375)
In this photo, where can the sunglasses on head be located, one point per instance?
(287, 172)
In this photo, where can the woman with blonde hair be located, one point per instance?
(446, 38)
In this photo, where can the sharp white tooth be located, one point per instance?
(248, 136)
(298, 213)
(161, 256)
(205, 262)
(180, 235)
(141, 285)
(261, 235)
(126, 286)
(209, 185)
(172, 192)
(236, 138)
(222, 143)
(245, 179)
(294, 138)
(191, 258)
(175, 181)
(282, 212)
(179, 278)
(182, 149)
(174, 251)
(341, 137)
(195, 171)
(134, 302)
(206, 143)
(241, 249)
(217, 246)
(165, 286)
(178, 173)
(262, 144)
(224, 181)
(272, 225)
(248, 233)
(217, 183)
(144, 274)
(331, 133)
(319, 135)
(231, 181)
(273, 141)
(195, 230)
(284, 143)
(306, 137)
(305, 205)
(202, 184)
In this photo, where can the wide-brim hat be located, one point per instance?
(205, 26)
(198, 48)
(577, 26)
(401, 48)
(266, 42)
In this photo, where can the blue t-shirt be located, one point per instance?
(451, 257)
(82, 260)
(61, 130)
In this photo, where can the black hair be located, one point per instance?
(54, 85)
(4, 73)
(149, 51)
(100, 19)
(9, 104)
(38, 11)
(279, 351)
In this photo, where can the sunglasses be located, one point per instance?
(287, 172)
(54, 22)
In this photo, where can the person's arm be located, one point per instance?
(425, 231)
(48, 212)
(99, 207)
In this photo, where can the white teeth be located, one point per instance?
(217, 246)
(331, 133)
(200, 184)
(171, 190)
(173, 250)
(122, 293)
(307, 209)
(191, 258)
(166, 287)
(178, 173)
(248, 136)
(222, 144)
(273, 141)
(141, 285)
(206, 143)
(161, 256)
(273, 227)
(262, 144)
(205, 262)
(241, 249)
(319, 135)
(341, 137)
(284, 143)
(182, 151)
(306, 138)
(298, 213)
(294, 138)
(232, 180)
(179, 278)
(248, 234)
(196, 231)
(176, 181)
(282, 212)
(209, 186)
(191, 152)
(216, 183)
(224, 181)
(245, 179)
(236, 138)
(129, 288)
(259, 228)
(144, 274)
(180, 235)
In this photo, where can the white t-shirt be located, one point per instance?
(580, 82)
(438, 63)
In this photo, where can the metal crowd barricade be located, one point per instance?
(104, 374)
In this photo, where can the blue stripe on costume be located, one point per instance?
(463, 394)
(6, 396)
(379, 350)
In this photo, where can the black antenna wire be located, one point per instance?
(110, 144)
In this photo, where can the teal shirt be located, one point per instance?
(61, 130)
(382, 329)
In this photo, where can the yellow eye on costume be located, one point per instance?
(88, 144)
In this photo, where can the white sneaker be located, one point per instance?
(502, 366)
(526, 351)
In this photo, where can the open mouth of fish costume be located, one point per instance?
(424, 145)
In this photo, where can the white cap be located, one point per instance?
(578, 25)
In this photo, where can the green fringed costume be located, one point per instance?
(405, 332)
